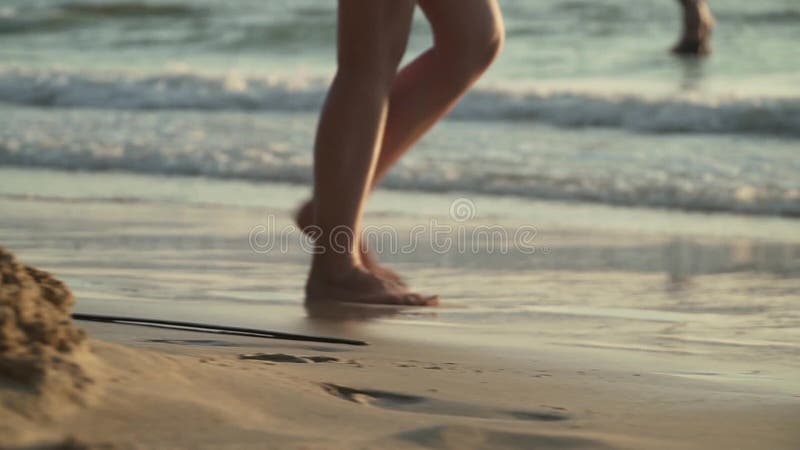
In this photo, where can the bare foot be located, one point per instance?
(358, 285)
(304, 219)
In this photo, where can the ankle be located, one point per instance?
(334, 266)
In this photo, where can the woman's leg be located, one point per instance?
(371, 41)
(468, 35)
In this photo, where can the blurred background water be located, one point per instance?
(609, 40)
(585, 103)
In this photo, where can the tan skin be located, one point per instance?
(372, 116)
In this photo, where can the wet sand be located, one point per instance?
(637, 330)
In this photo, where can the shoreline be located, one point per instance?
(45, 185)
(706, 295)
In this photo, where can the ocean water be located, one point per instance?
(686, 294)
(585, 104)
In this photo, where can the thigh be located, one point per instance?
(372, 34)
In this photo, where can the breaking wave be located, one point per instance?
(559, 107)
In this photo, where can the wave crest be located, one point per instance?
(565, 108)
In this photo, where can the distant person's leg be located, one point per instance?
(371, 41)
(698, 23)
(468, 35)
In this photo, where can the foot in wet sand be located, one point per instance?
(359, 285)
(304, 218)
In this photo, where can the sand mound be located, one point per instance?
(37, 336)
(43, 370)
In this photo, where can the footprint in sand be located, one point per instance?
(480, 438)
(284, 358)
(427, 405)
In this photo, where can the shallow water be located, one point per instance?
(702, 172)
(686, 294)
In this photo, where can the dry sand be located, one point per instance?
(135, 387)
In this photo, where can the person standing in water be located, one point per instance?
(374, 114)
(698, 22)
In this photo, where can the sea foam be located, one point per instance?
(562, 107)
(718, 172)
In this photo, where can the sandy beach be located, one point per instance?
(628, 334)
(162, 389)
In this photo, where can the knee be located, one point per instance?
(374, 65)
(488, 45)
(472, 52)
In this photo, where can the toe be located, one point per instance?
(431, 300)
(420, 300)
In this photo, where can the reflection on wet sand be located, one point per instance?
(346, 312)
(692, 73)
